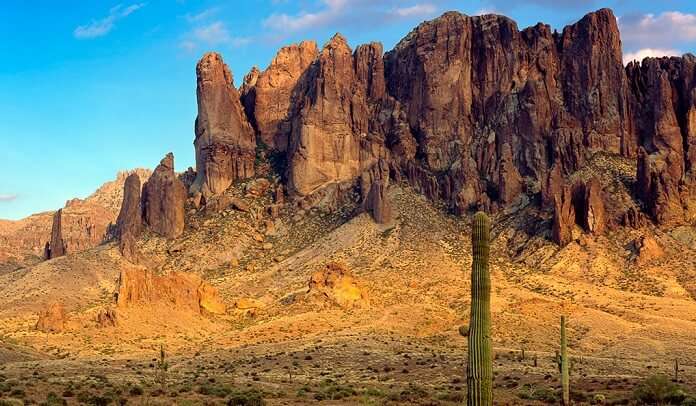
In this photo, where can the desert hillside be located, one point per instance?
(321, 249)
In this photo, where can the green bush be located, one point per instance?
(658, 389)
(546, 395)
(54, 400)
(250, 397)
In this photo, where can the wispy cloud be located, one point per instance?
(332, 12)
(657, 32)
(7, 197)
(210, 35)
(101, 27)
(203, 15)
(417, 10)
(568, 4)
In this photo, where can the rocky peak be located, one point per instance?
(225, 143)
(163, 198)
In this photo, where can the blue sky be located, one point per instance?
(89, 88)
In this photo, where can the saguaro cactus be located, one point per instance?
(480, 367)
(565, 374)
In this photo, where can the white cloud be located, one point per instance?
(203, 15)
(103, 26)
(351, 11)
(213, 34)
(417, 10)
(648, 52)
(657, 31)
(7, 198)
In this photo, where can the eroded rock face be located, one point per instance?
(664, 106)
(78, 226)
(129, 219)
(129, 224)
(57, 246)
(563, 217)
(336, 283)
(180, 291)
(493, 105)
(225, 142)
(270, 96)
(163, 199)
(589, 207)
(373, 186)
(52, 319)
(475, 113)
(330, 141)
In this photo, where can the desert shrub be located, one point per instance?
(210, 389)
(456, 396)
(546, 395)
(658, 389)
(410, 394)
(250, 397)
(135, 390)
(690, 401)
(11, 402)
(330, 390)
(54, 400)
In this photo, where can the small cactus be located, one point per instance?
(480, 365)
(565, 374)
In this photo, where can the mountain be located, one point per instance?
(23, 242)
(321, 248)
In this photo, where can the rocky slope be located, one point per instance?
(84, 225)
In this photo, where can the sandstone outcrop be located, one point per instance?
(563, 217)
(330, 142)
(646, 250)
(270, 96)
(225, 143)
(78, 226)
(163, 199)
(664, 105)
(129, 219)
(336, 283)
(52, 319)
(180, 291)
(129, 224)
(475, 113)
(373, 186)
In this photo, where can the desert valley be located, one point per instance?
(321, 249)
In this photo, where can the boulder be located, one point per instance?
(336, 283)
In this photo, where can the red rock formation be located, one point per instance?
(563, 217)
(589, 206)
(129, 219)
(180, 291)
(330, 141)
(664, 120)
(78, 226)
(270, 96)
(225, 143)
(52, 318)
(57, 243)
(373, 187)
(336, 283)
(473, 112)
(163, 198)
